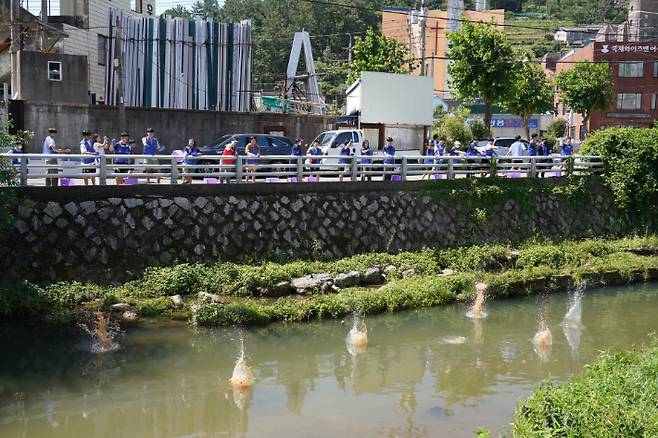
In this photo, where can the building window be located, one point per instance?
(632, 101)
(54, 71)
(653, 101)
(655, 69)
(102, 49)
(631, 69)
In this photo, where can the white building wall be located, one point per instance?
(85, 41)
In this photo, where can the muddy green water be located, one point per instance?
(173, 382)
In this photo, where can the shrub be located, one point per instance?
(183, 279)
(557, 128)
(616, 396)
(631, 159)
(156, 306)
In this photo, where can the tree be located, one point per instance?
(452, 126)
(532, 93)
(585, 88)
(558, 128)
(376, 52)
(481, 61)
(178, 11)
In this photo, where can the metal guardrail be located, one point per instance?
(129, 169)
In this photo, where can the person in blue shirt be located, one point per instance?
(122, 148)
(389, 160)
(472, 151)
(191, 150)
(17, 150)
(297, 148)
(566, 151)
(365, 153)
(346, 153)
(50, 147)
(533, 146)
(87, 148)
(430, 151)
(543, 151)
(314, 151)
(567, 148)
(151, 146)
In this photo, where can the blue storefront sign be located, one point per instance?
(513, 123)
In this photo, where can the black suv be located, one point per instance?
(268, 144)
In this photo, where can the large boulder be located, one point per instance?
(373, 276)
(349, 279)
(119, 307)
(280, 289)
(177, 300)
(205, 297)
(313, 283)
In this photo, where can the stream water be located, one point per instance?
(431, 372)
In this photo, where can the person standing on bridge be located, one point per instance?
(87, 148)
(389, 160)
(50, 147)
(151, 146)
(122, 148)
(366, 161)
(314, 151)
(229, 152)
(253, 154)
(345, 160)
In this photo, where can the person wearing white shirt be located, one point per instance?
(50, 147)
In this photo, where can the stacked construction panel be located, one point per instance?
(177, 63)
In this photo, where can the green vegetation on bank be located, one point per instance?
(617, 396)
(243, 290)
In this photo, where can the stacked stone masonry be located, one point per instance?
(108, 234)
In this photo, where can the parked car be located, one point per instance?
(269, 145)
(502, 144)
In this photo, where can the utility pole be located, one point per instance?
(349, 49)
(15, 47)
(411, 39)
(423, 27)
(44, 19)
(118, 65)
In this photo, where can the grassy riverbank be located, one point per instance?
(228, 293)
(614, 397)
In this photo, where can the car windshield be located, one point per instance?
(326, 138)
(222, 141)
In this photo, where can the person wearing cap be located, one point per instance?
(123, 147)
(151, 146)
(50, 147)
(87, 149)
(389, 153)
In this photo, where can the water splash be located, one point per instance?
(243, 376)
(102, 331)
(357, 338)
(573, 317)
(453, 340)
(543, 341)
(477, 309)
(572, 324)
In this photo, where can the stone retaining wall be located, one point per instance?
(106, 234)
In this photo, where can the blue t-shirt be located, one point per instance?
(16, 151)
(89, 147)
(543, 149)
(471, 152)
(366, 152)
(122, 149)
(429, 153)
(191, 152)
(314, 152)
(151, 146)
(567, 149)
(345, 152)
(532, 150)
(390, 150)
(296, 150)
